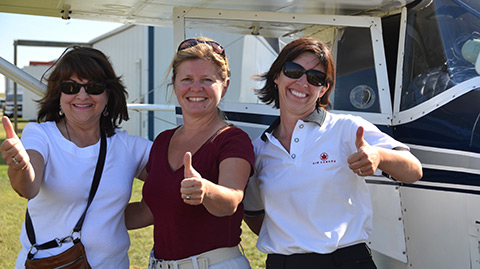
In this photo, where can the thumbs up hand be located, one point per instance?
(12, 150)
(365, 161)
(193, 187)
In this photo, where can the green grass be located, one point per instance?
(12, 215)
(12, 208)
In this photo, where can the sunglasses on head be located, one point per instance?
(72, 87)
(294, 70)
(192, 42)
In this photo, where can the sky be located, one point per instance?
(39, 28)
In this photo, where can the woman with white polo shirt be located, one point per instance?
(307, 200)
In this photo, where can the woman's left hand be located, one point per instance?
(220, 199)
(193, 187)
(365, 161)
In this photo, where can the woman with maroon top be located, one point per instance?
(198, 171)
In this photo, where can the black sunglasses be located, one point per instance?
(294, 70)
(72, 87)
(192, 42)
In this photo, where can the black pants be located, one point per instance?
(352, 257)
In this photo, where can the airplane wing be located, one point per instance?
(159, 12)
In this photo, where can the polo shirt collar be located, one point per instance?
(317, 116)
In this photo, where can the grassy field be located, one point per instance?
(12, 208)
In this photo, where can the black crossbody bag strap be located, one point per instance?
(96, 181)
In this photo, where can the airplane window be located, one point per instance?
(442, 45)
(356, 82)
(390, 26)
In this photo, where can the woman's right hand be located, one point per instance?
(13, 152)
(23, 166)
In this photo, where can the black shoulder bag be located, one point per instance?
(74, 257)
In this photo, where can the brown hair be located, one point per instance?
(90, 64)
(269, 93)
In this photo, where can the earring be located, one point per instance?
(105, 112)
(60, 112)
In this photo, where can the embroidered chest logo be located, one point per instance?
(324, 158)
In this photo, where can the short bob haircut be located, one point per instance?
(92, 65)
(269, 93)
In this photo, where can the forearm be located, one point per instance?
(401, 165)
(143, 175)
(23, 181)
(222, 201)
(254, 223)
(138, 215)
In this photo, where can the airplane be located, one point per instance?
(412, 67)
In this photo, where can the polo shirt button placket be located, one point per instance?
(296, 140)
(294, 156)
(301, 126)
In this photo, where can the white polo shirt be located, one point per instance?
(312, 201)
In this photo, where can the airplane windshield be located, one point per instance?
(441, 49)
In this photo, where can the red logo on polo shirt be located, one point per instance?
(324, 159)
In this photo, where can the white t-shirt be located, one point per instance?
(65, 189)
(311, 199)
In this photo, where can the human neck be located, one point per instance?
(196, 125)
(284, 130)
(82, 136)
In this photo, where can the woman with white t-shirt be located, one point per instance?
(54, 163)
(307, 200)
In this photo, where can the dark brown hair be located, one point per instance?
(89, 64)
(269, 93)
